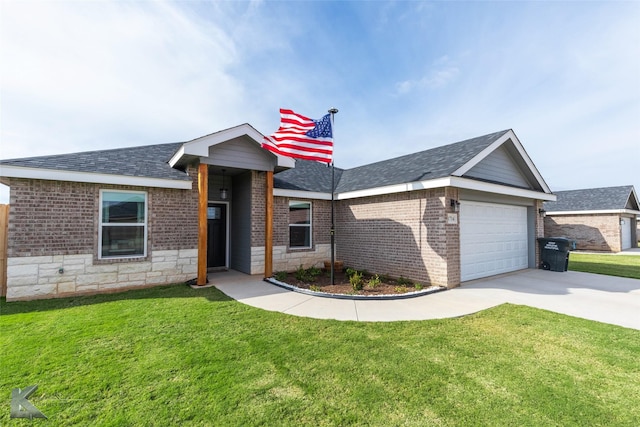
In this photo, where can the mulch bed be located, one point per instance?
(322, 283)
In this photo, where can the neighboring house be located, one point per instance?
(133, 217)
(598, 219)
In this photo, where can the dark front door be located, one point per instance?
(217, 235)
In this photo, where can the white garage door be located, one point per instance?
(625, 226)
(493, 239)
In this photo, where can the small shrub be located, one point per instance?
(280, 276)
(404, 282)
(314, 288)
(418, 286)
(374, 281)
(301, 273)
(314, 272)
(401, 289)
(356, 281)
(350, 271)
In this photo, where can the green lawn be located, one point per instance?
(609, 264)
(177, 356)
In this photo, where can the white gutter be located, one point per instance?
(301, 194)
(594, 212)
(96, 178)
(452, 181)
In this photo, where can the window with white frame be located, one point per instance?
(123, 224)
(299, 224)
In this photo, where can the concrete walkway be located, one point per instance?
(607, 299)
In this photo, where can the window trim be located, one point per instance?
(310, 225)
(145, 224)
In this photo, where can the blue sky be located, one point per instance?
(406, 77)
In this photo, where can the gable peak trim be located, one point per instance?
(509, 135)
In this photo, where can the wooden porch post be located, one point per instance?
(203, 197)
(268, 227)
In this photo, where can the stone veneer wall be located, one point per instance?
(597, 232)
(53, 225)
(287, 260)
(65, 275)
(403, 234)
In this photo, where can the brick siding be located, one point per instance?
(61, 218)
(598, 232)
(51, 218)
(258, 207)
(173, 217)
(404, 234)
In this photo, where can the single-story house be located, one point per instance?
(597, 219)
(132, 217)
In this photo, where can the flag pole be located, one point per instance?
(332, 111)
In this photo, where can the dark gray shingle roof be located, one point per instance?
(437, 162)
(145, 161)
(591, 199)
(151, 161)
(307, 176)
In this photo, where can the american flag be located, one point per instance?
(302, 138)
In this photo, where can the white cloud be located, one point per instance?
(440, 76)
(97, 71)
(79, 76)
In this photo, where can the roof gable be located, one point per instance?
(425, 165)
(500, 166)
(594, 199)
(497, 158)
(201, 147)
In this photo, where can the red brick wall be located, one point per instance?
(591, 232)
(404, 234)
(61, 218)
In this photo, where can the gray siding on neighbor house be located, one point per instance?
(239, 153)
(240, 258)
(499, 166)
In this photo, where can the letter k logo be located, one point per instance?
(21, 407)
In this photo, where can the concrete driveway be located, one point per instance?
(596, 297)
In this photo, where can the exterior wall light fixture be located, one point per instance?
(224, 193)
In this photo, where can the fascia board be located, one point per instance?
(176, 157)
(529, 162)
(285, 162)
(595, 212)
(199, 147)
(635, 196)
(96, 178)
(510, 135)
(392, 189)
(483, 154)
(422, 185)
(300, 194)
(471, 184)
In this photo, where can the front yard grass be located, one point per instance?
(178, 356)
(610, 264)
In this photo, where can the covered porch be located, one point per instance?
(235, 199)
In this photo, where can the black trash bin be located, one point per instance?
(554, 253)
